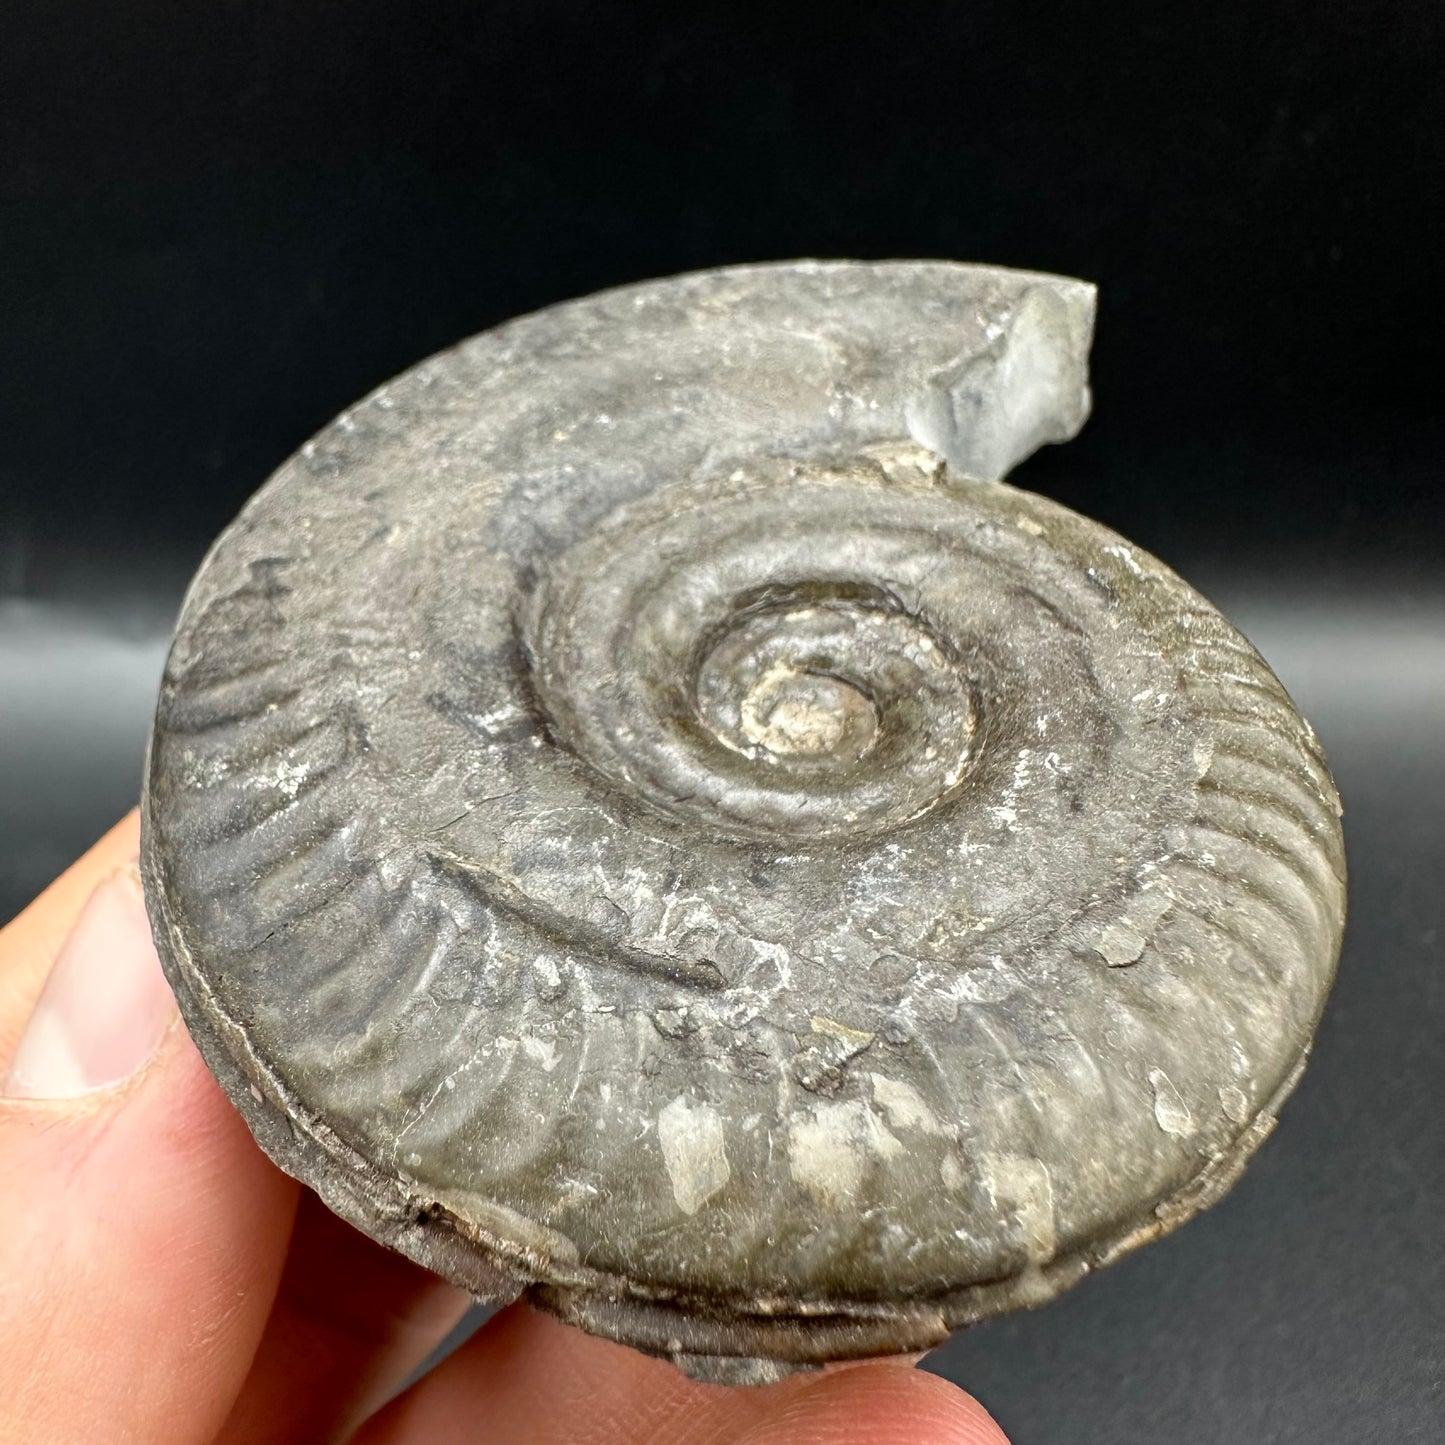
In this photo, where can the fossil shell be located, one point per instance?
(638, 813)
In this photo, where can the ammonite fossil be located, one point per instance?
(641, 817)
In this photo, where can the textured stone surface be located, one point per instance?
(637, 813)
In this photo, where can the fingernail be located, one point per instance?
(104, 1007)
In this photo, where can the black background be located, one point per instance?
(221, 223)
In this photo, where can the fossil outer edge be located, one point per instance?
(638, 815)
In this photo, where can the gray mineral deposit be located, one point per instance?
(640, 816)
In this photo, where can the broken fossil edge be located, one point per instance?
(979, 414)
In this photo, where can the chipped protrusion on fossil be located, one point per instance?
(989, 408)
(640, 816)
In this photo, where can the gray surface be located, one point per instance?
(77, 691)
(1306, 1306)
(537, 907)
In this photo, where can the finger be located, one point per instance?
(29, 944)
(351, 1322)
(874, 1404)
(524, 1377)
(141, 1231)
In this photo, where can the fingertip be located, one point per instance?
(129, 1180)
(532, 1378)
(105, 1004)
(31, 941)
(877, 1402)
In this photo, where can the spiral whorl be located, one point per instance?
(759, 654)
(638, 812)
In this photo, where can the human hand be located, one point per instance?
(161, 1281)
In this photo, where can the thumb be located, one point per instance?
(141, 1232)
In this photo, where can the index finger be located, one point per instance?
(525, 1377)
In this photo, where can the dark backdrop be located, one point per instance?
(222, 222)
